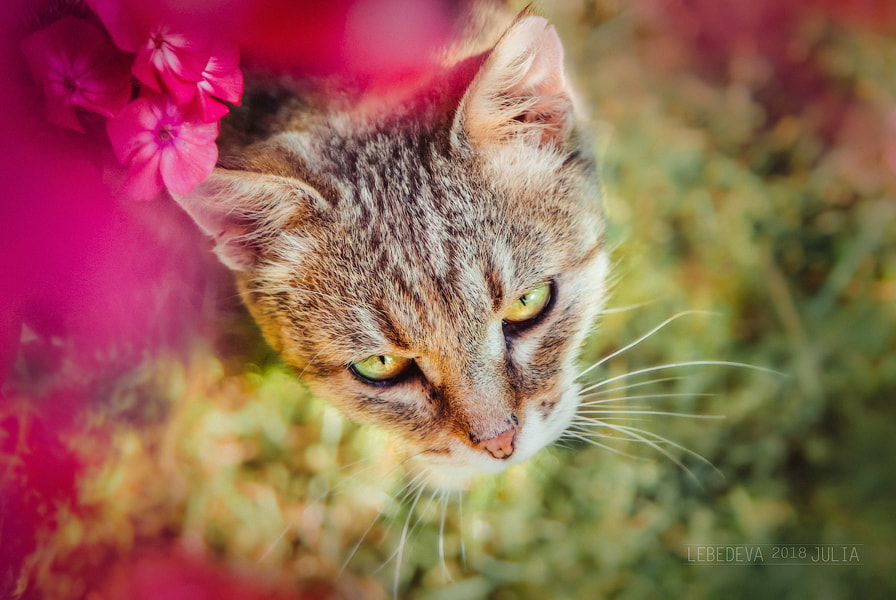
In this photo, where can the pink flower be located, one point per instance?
(171, 60)
(78, 67)
(222, 80)
(170, 57)
(160, 146)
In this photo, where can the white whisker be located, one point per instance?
(415, 483)
(639, 340)
(345, 480)
(360, 541)
(633, 385)
(418, 490)
(273, 544)
(443, 499)
(640, 433)
(625, 419)
(653, 444)
(641, 397)
(599, 445)
(650, 412)
(619, 309)
(403, 540)
(460, 520)
(692, 363)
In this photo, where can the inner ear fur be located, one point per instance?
(521, 90)
(244, 212)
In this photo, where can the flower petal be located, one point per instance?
(207, 109)
(62, 113)
(172, 60)
(222, 81)
(191, 158)
(120, 21)
(134, 128)
(78, 66)
(144, 71)
(223, 76)
(144, 179)
(106, 87)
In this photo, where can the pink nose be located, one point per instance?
(500, 446)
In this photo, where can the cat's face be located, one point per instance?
(432, 270)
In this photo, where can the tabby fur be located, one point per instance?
(361, 224)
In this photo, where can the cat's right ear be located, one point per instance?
(520, 91)
(244, 211)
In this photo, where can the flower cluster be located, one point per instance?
(161, 87)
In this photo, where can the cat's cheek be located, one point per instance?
(545, 420)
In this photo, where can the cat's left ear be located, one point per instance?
(245, 211)
(520, 91)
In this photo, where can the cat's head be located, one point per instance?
(430, 267)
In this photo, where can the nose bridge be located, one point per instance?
(470, 361)
(484, 397)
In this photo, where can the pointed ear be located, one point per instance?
(245, 211)
(520, 90)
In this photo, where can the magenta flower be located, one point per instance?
(221, 80)
(160, 146)
(170, 58)
(78, 67)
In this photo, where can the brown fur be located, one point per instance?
(359, 227)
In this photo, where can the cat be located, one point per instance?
(429, 264)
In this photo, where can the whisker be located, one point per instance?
(422, 512)
(460, 520)
(396, 502)
(634, 385)
(587, 430)
(691, 363)
(333, 491)
(625, 419)
(403, 540)
(650, 412)
(639, 433)
(619, 309)
(416, 482)
(641, 397)
(599, 445)
(273, 544)
(345, 480)
(360, 541)
(443, 499)
(418, 490)
(640, 339)
(653, 444)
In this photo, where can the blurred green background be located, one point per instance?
(749, 163)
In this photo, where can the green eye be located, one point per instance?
(529, 305)
(381, 367)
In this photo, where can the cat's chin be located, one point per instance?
(459, 469)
